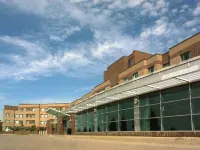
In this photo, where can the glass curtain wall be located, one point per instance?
(149, 105)
(170, 109)
(173, 109)
(116, 116)
(176, 108)
(85, 121)
(195, 99)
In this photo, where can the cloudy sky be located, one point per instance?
(56, 51)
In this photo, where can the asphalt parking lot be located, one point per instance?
(36, 142)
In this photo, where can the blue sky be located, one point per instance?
(56, 51)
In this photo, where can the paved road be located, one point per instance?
(36, 142)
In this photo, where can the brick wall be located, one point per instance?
(146, 133)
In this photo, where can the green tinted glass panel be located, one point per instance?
(113, 106)
(196, 120)
(90, 127)
(101, 127)
(151, 69)
(148, 99)
(90, 117)
(176, 93)
(150, 111)
(113, 126)
(101, 109)
(78, 123)
(126, 103)
(127, 125)
(195, 87)
(135, 75)
(196, 105)
(126, 114)
(177, 123)
(112, 116)
(185, 56)
(150, 124)
(101, 118)
(176, 108)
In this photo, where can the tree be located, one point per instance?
(16, 128)
(21, 125)
(1, 126)
(33, 128)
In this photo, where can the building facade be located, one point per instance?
(145, 92)
(29, 114)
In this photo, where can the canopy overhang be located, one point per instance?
(185, 72)
(57, 113)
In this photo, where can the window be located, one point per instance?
(46, 116)
(30, 115)
(54, 116)
(41, 109)
(30, 109)
(16, 121)
(7, 121)
(126, 103)
(149, 99)
(20, 116)
(177, 123)
(16, 116)
(151, 69)
(170, 109)
(41, 116)
(196, 119)
(130, 62)
(135, 75)
(153, 124)
(30, 121)
(176, 93)
(150, 112)
(7, 114)
(127, 114)
(165, 65)
(46, 109)
(126, 79)
(127, 125)
(21, 109)
(43, 122)
(7, 128)
(185, 56)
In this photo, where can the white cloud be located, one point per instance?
(192, 23)
(161, 27)
(39, 61)
(156, 8)
(109, 43)
(62, 34)
(31, 48)
(197, 10)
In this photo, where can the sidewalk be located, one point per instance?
(156, 140)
